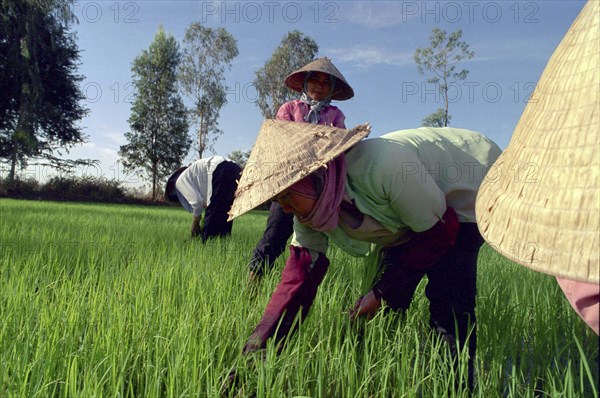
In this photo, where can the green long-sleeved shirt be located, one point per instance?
(405, 180)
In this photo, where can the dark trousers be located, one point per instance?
(224, 184)
(451, 290)
(274, 240)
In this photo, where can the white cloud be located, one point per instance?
(366, 56)
(116, 137)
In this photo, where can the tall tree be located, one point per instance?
(240, 157)
(207, 52)
(294, 51)
(158, 141)
(441, 58)
(40, 100)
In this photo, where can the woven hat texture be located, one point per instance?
(286, 152)
(342, 90)
(539, 205)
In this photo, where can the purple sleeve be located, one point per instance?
(295, 292)
(340, 118)
(285, 112)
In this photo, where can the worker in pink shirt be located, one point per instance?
(320, 82)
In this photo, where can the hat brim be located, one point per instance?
(342, 90)
(286, 152)
(539, 204)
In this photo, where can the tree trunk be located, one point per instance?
(446, 116)
(445, 100)
(154, 188)
(13, 166)
(19, 128)
(200, 145)
(154, 161)
(154, 182)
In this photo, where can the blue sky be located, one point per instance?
(372, 43)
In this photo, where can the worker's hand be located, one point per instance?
(196, 230)
(367, 306)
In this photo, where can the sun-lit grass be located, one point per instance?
(107, 300)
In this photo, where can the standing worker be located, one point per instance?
(320, 82)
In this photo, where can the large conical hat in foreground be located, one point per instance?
(286, 152)
(342, 90)
(539, 205)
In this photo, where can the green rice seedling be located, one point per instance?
(112, 300)
(372, 268)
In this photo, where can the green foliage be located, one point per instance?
(17, 188)
(441, 59)
(240, 157)
(439, 118)
(295, 51)
(158, 141)
(93, 189)
(112, 300)
(40, 101)
(207, 52)
(67, 188)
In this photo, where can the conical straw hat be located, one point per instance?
(286, 152)
(342, 90)
(539, 205)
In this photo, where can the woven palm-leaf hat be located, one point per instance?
(539, 205)
(286, 152)
(342, 90)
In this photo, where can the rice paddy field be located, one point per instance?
(118, 301)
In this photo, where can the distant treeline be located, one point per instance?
(81, 189)
(76, 189)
